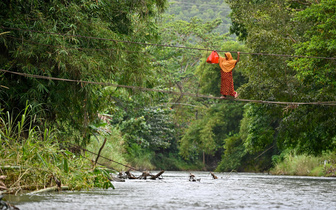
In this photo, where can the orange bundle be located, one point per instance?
(213, 57)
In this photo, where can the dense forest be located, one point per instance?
(205, 10)
(91, 87)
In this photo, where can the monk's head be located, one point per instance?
(228, 56)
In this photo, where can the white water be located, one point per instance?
(174, 191)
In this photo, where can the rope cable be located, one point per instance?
(325, 103)
(109, 159)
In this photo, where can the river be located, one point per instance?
(174, 191)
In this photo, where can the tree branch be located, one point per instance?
(101, 148)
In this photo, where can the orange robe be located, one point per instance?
(227, 65)
(227, 87)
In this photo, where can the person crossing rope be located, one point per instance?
(227, 65)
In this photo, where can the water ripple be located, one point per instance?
(230, 191)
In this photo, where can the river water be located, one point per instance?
(174, 191)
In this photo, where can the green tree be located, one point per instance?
(64, 49)
(317, 38)
(177, 67)
(221, 120)
(265, 26)
(204, 10)
(287, 27)
(208, 133)
(311, 127)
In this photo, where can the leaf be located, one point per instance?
(43, 161)
(65, 165)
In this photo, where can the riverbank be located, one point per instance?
(305, 165)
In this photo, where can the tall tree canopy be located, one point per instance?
(304, 28)
(73, 40)
(113, 41)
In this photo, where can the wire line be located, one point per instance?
(324, 103)
(86, 150)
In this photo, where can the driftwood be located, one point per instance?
(117, 178)
(213, 175)
(122, 175)
(158, 175)
(2, 185)
(50, 189)
(130, 175)
(144, 175)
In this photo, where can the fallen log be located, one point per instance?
(122, 175)
(113, 178)
(157, 175)
(2, 185)
(50, 189)
(130, 175)
(144, 175)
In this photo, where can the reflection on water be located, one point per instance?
(229, 191)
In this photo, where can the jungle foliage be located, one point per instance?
(33, 158)
(72, 40)
(204, 10)
(63, 49)
(289, 27)
(114, 42)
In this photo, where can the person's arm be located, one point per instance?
(238, 53)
